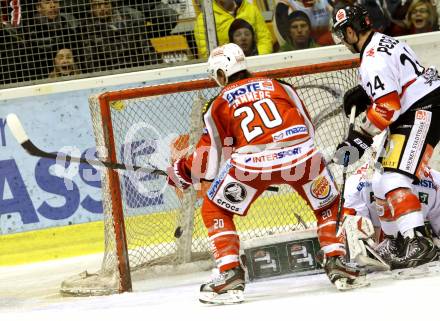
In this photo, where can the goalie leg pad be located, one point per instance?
(359, 232)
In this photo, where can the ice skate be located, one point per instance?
(416, 251)
(389, 248)
(343, 275)
(226, 288)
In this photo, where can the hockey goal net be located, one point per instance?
(150, 227)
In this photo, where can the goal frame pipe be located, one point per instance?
(105, 100)
(125, 284)
(157, 90)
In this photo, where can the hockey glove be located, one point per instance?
(177, 175)
(359, 232)
(356, 144)
(358, 97)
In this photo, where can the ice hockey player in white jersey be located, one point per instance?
(397, 93)
(364, 196)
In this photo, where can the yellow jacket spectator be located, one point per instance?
(225, 12)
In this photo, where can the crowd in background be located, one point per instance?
(54, 38)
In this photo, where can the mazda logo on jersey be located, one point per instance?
(234, 192)
(320, 188)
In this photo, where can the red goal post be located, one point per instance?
(152, 229)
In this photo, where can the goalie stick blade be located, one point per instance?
(16, 128)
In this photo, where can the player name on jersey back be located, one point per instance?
(389, 65)
(248, 92)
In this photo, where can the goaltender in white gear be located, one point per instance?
(360, 199)
(365, 197)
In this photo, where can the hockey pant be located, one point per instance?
(413, 138)
(234, 190)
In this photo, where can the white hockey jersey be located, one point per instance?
(389, 65)
(359, 196)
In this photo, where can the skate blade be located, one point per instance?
(427, 269)
(230, 297)
(343, 285)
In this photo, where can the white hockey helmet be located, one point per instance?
(229, 58)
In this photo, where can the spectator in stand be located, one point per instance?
(421, 17)
(64, 64)
(241, 33)
(15, 61)
(437, 9)
(225, 12)
(298, 35)
(44, 31)
(378, 13)
(318, 11)
(160, 17)
(116, 38)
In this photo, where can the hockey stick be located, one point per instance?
(22, 138)
(344, 169)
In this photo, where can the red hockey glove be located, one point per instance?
(177, 176)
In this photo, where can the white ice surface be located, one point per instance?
(30, 292)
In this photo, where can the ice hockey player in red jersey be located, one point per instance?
(258, 133)
(397, 93)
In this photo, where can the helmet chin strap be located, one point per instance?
(352, 46)
(218, 81)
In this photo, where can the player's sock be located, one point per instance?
(225, 288)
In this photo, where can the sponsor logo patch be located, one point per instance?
(248, 88)
(370, 53)
(393, 151)
(416, 141)
(341, 15)
(277, 155)
(234, 192)
(320, 188)
(321, 191)
(289, 132)
(218, 180)
(424, 198)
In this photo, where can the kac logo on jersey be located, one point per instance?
(289, 132)
(320, 188)
(234, 192)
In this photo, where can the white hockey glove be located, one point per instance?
(359, 233)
